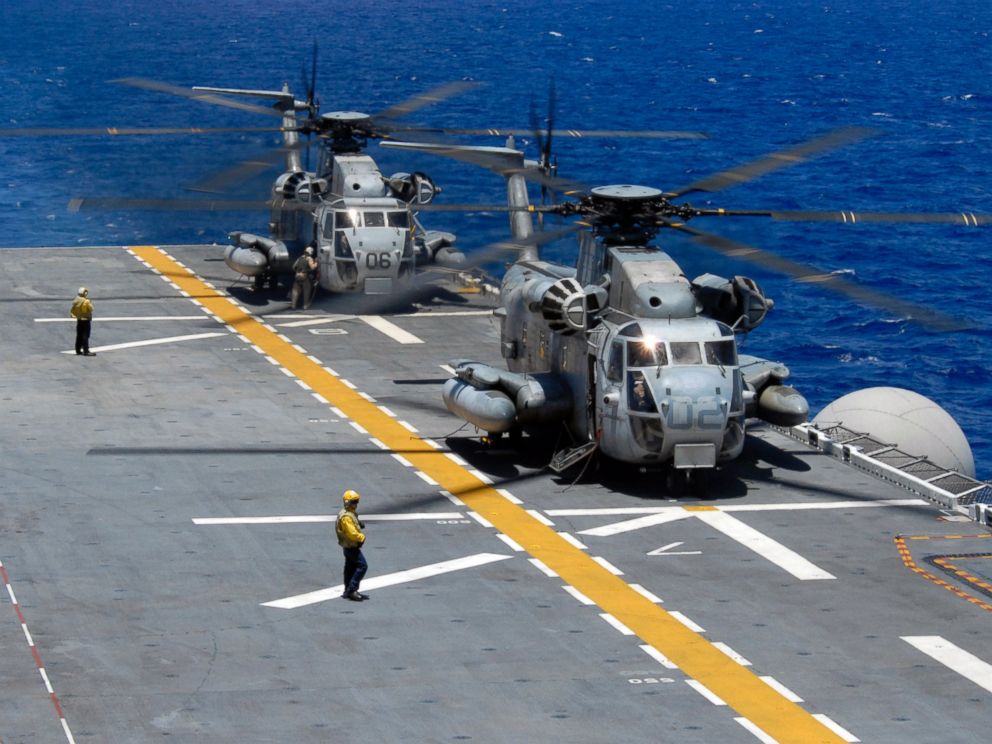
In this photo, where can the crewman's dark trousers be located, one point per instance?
(354, 568)
(82, 336)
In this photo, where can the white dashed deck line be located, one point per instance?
(513, 545)
(731, 653)
(578, 595)
(686, 621)
(659, 657)
(781, 689)
(607, 565)
(508, 496)
(425, 478)
(842, 732)
(402, 460)
(540, 518)
(616, 623)
(358, 427)
(758, 733)
(480, 519)
(573, 540)
(542, 567)
(646, 594)
(705, 691)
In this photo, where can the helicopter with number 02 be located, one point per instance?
(623, 353)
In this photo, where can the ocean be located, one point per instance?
(754, 76)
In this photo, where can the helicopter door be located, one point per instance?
(612, 422)
(325, 251)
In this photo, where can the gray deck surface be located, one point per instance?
(149, 625)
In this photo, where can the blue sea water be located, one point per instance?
(755, 76)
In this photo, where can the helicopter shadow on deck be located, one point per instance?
(507, 461)
(274, 300)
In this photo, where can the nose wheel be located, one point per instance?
(693, 481)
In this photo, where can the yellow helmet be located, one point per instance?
(350, 497)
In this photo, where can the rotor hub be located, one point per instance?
(344, 117)
(626, 192)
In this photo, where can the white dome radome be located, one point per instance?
(913, 422)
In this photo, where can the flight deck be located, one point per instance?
(171, 568)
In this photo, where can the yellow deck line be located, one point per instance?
(696, 657)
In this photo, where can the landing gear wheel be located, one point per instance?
(492, 439)
(698, 482)
(691, 480)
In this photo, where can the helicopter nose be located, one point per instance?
(694, 401)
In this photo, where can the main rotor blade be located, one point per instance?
(209, 205)
(799, 272)
(243, 171)
(434, 95)
(848, 217)
(206, 97)
(433, 207)
(127, 131)
(628, 133)
(776, 161)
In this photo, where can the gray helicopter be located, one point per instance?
(361, 225)
(622, 352)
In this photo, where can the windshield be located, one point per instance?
(347, 218)
(686, 352)
(375, 219)
(646, 353)
(723, 353)
(398, 219)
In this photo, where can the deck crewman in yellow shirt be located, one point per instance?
(351, 538)
(82, 311)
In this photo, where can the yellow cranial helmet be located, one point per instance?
(350, 497)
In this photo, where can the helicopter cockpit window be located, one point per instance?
(348, 218)
(646, 353)
(639, 398)
(398, 219)
(375, 219)
(614, 368)
(723, 353)
(686, 352)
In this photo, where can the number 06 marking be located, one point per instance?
(378, 260)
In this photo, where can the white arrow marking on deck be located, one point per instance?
(378, 582)
(953, 657)
(151, 342)
(664, 550)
